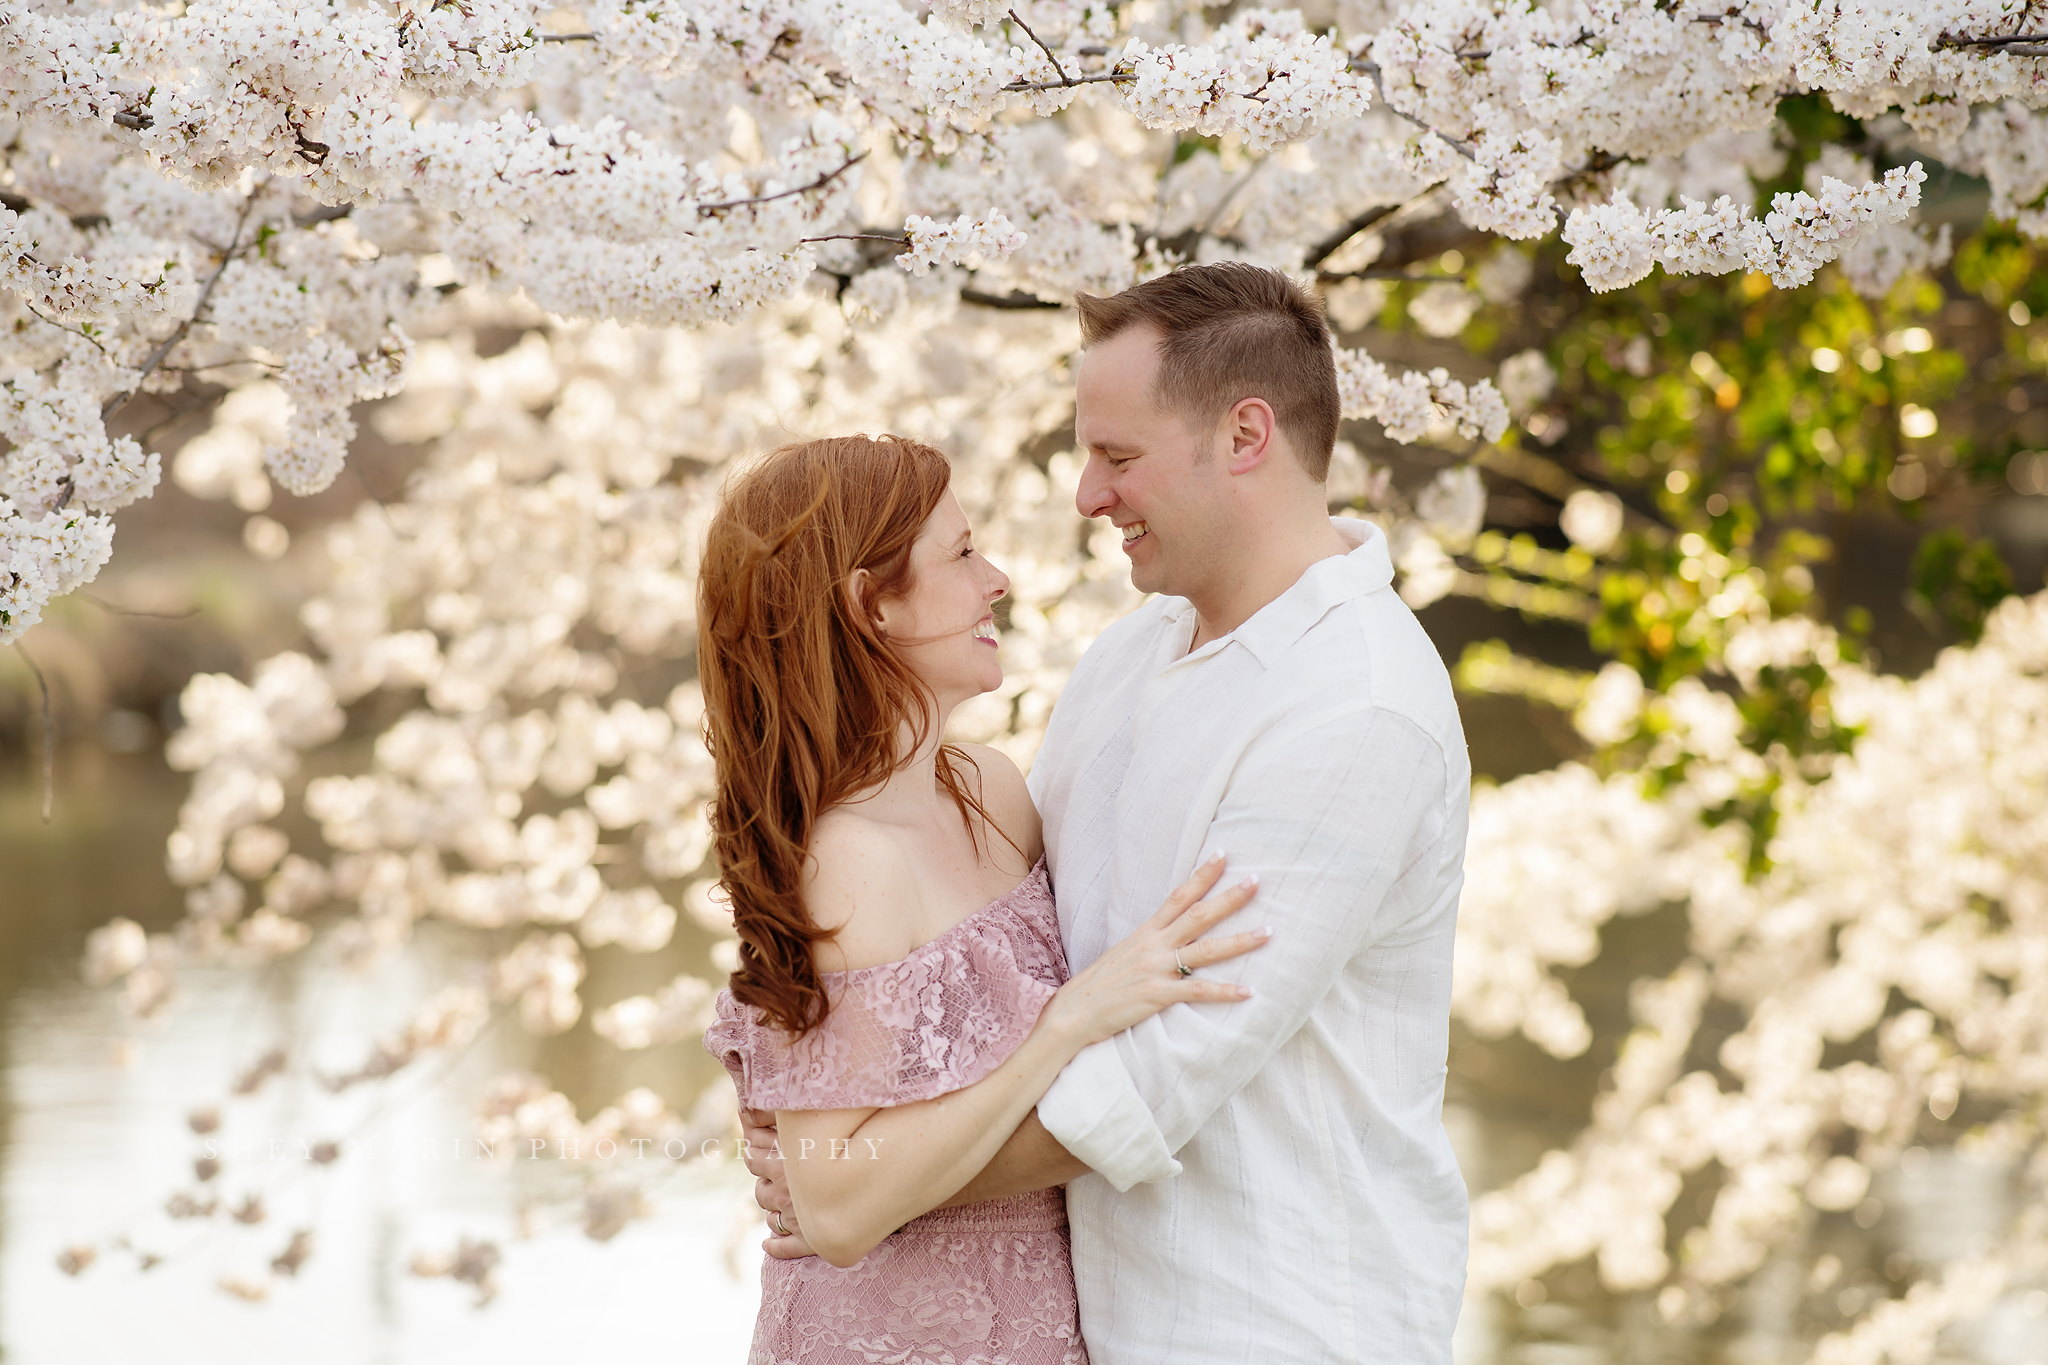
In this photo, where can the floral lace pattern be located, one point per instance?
(932, 1022)
(986, 1284)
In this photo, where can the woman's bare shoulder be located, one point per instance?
(859, 887)
(1007, 799)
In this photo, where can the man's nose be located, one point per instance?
(1093, 498)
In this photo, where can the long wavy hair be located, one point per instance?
(805, 702)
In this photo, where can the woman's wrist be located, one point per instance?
(1063, 1026)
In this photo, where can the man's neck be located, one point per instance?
(1277, 560)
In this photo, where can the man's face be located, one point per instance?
(1146, 471)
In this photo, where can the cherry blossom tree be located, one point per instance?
(716, 225)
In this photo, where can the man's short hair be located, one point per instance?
(1232, 331)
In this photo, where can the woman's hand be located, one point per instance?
(1140, 976)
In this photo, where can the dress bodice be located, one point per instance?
(938, 1019)
(982, 1284)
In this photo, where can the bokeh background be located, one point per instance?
(1873, 465)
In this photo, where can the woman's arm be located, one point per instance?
(856, 1175)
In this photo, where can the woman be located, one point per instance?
(901, 1001)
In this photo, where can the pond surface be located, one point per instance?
(95, 1138)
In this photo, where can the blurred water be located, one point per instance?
(91, 1145)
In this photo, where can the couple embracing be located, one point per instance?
(1141, 1060)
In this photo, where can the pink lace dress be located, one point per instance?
(985, 1284)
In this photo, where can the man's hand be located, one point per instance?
(771, 1185)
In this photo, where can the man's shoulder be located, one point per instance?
(1371, 654)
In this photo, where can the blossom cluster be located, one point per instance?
(248, 191)
(1616, 243)
(1410, 404)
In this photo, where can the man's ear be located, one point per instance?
(1251, 434)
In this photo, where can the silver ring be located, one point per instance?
(1183, 968)
(775, 1221)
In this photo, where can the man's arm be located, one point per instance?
(1343, 816)
(1032, 1159)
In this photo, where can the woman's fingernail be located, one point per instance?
(1219, 856)
(1249, 882)
(1244, 992)
(1265, 931)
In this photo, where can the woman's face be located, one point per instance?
(942, 628)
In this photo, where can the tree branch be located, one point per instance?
(1229, 197)
(156, 357)
(857, 237)
(1120, 77)
(104, 605)
(706, 210)
(1325, 249)
(1946, 41)
(326, 214)
(1012, 300)
(1372, 69)
(1050, 55)
(1549, 477)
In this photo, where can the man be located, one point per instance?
(1267, 1181)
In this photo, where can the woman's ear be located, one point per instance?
(860, 587)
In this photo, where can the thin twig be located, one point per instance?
(1229, 195)
(1159, 185)
(1372, 69)
(706, 210)
(858, 237)
(1049, 54)
(104, 605)
(568, 37)
(1120, 77)
(156, 357)
(1391, 273)
(149, 437)
(49, 734)
(380, 1110)
(74, 331)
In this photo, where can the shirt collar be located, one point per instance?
(1274, 628)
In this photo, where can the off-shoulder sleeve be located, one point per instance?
(938, 1020)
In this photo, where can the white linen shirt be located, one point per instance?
(1271, 1180)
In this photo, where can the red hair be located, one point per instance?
(804, 701)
